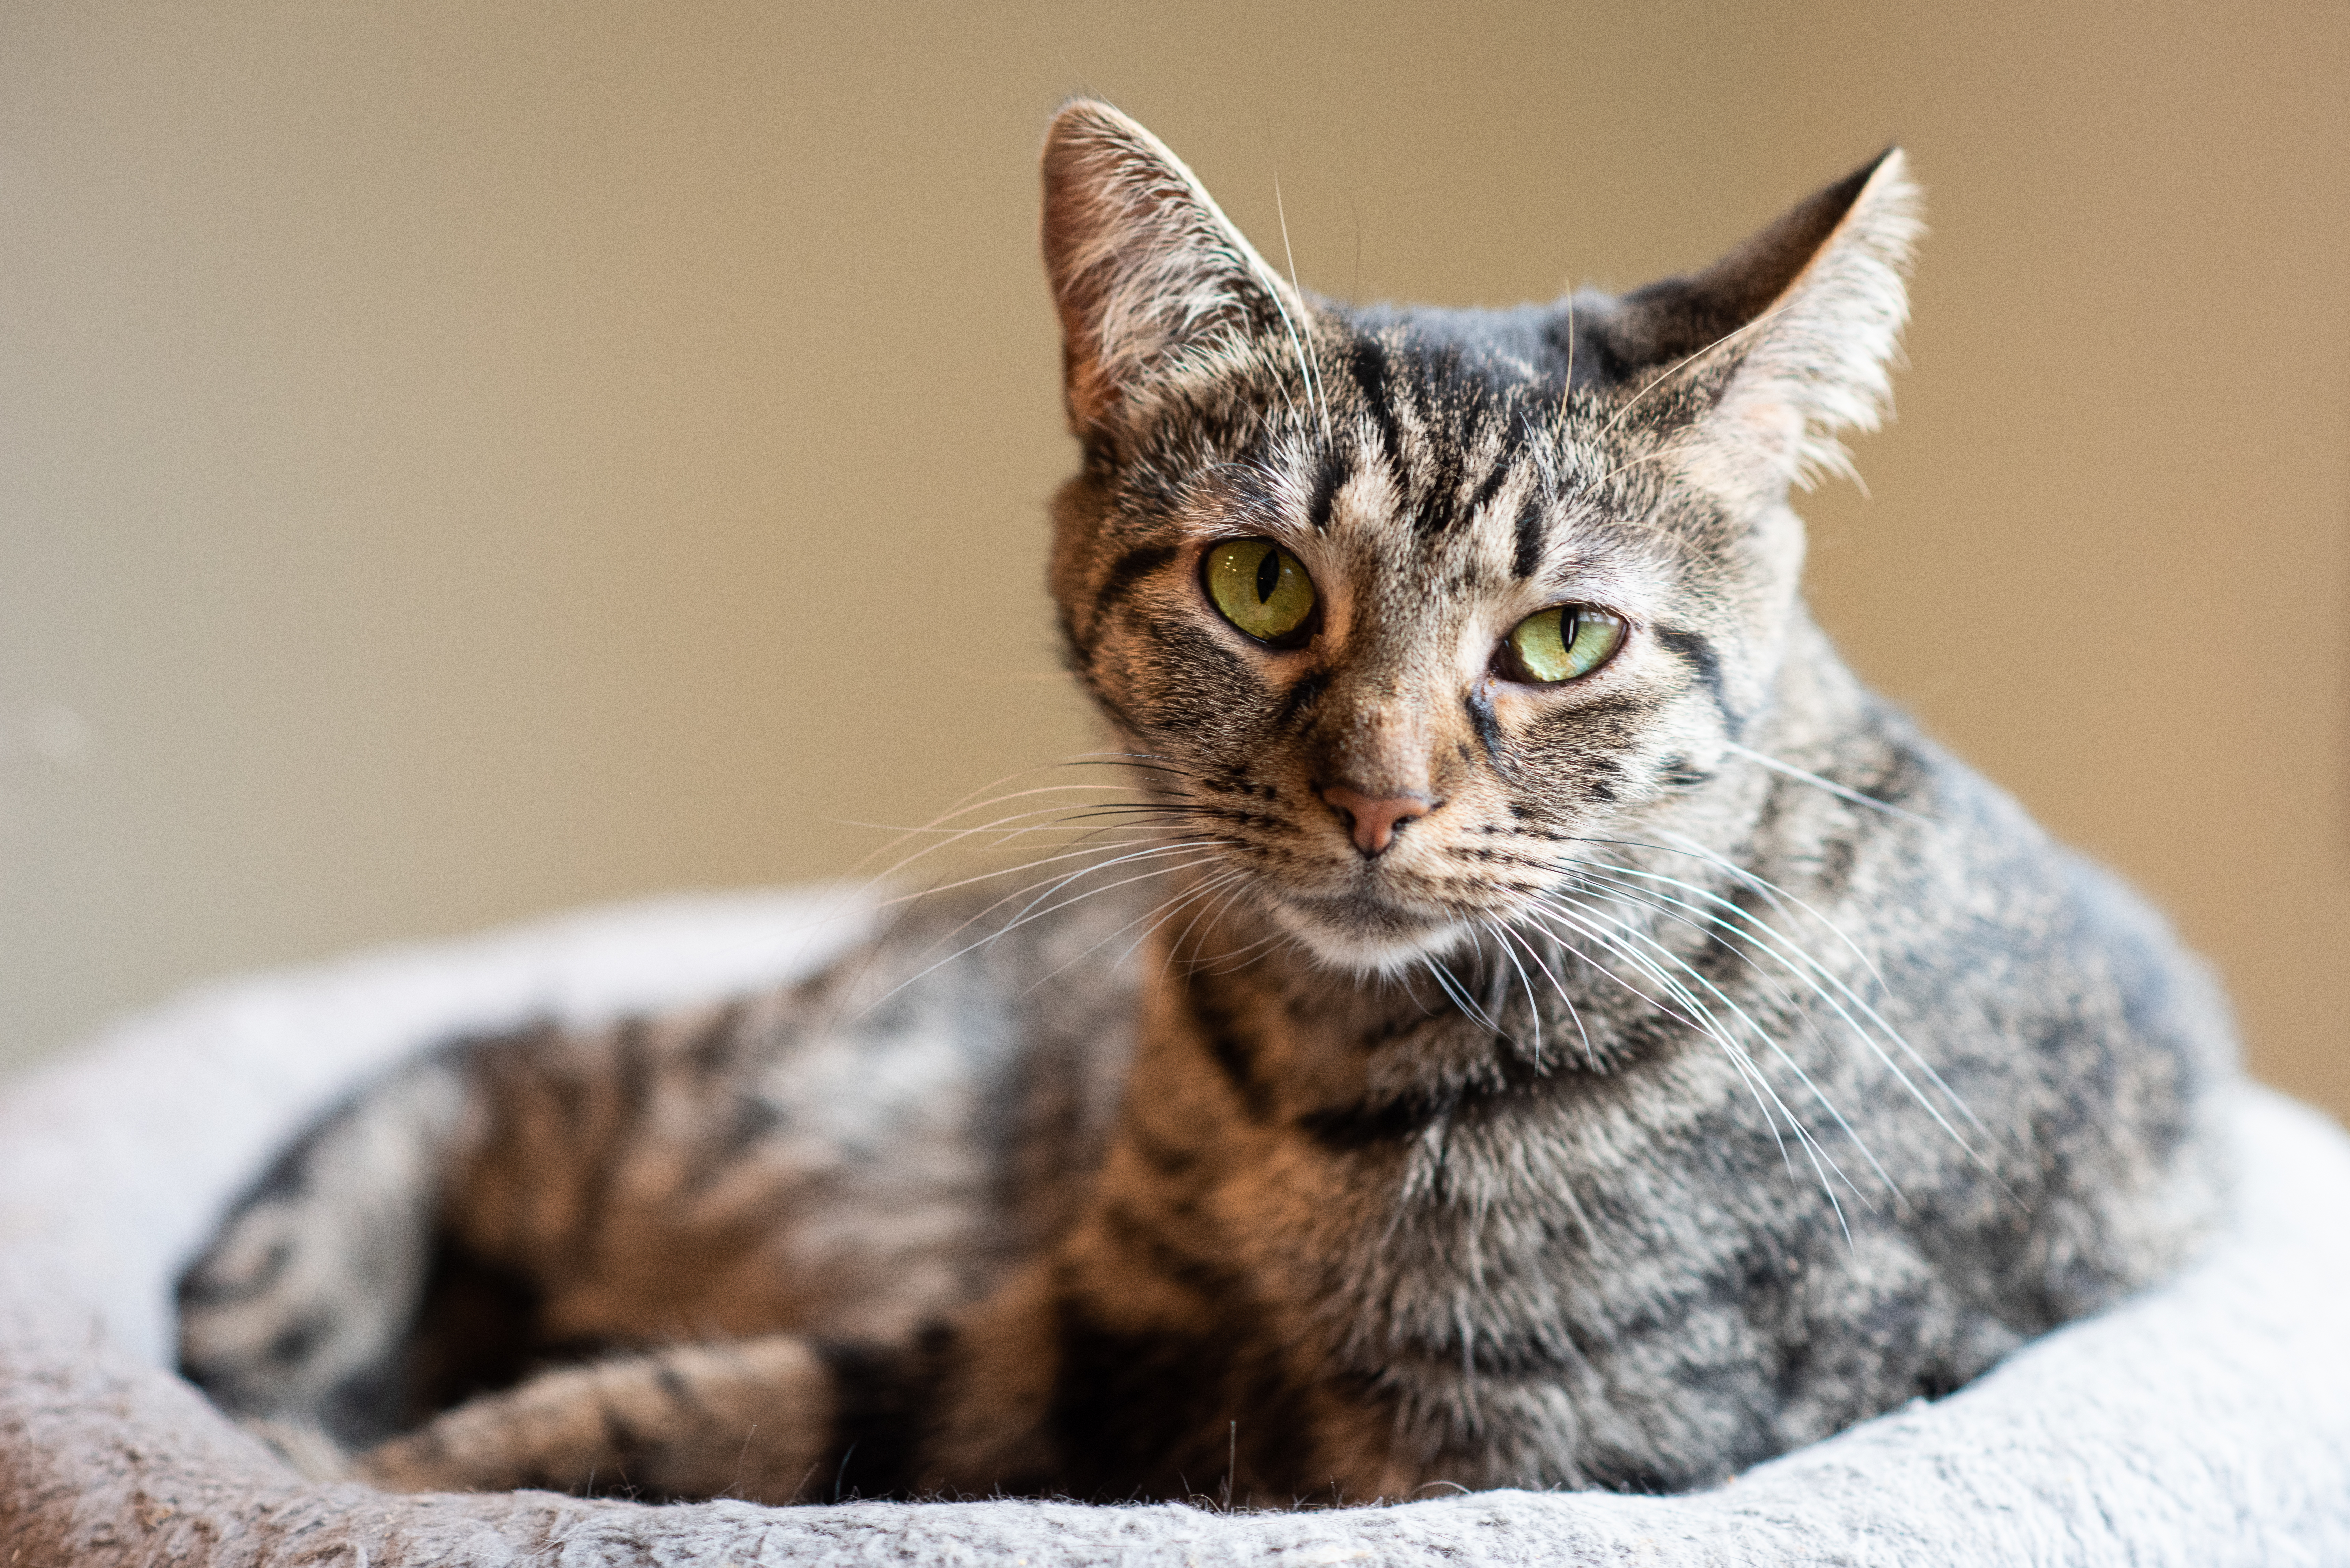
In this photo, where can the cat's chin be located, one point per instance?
(1365, 936)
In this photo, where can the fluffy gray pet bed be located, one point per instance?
(2205, 1424)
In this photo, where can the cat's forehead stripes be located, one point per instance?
(1479, 489)
(1452, 422)
(1434, 432)
(1329, 475)
(1528, 535)
(1522, 527)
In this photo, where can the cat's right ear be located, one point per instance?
(1150, 277)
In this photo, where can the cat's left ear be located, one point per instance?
(1150, 277)
(1793, 335)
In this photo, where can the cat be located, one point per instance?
(1547, 1025)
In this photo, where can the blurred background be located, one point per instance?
(461, 460)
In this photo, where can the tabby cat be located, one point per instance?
(1545, 1023)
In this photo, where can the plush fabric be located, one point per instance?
(2204, 1423)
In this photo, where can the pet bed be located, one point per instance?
(2204, 1423)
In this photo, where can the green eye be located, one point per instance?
(1260, 587)
(1563, 642)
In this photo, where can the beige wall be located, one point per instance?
(464, 459)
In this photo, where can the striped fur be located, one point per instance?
(1710, 1063)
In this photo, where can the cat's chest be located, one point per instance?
(1438, 1188)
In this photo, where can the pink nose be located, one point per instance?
(1374, 817)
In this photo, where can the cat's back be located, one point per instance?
(2050, 1077)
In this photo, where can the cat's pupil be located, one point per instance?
(1268, 575)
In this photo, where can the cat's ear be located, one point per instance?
(1150, 275)
(1793, 335)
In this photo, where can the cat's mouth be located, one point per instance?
(1365, 929)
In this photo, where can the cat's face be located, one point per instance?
(1399, 620)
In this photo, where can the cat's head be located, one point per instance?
(1399, 603)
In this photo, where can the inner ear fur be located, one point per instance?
(1148, 272)
(1794, 334)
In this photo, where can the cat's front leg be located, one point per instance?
(755, 1419)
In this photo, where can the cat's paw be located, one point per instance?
(314, 1281)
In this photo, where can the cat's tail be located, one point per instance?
(779, 1419)
(953, 1410)
(758, 1419)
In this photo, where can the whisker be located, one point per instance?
(838, 888)
(1232, 958)
(1834, 788)
(1239, 957)
(1170, 905)
(1305, 360)
(1061, 882)
(1534, 1004)
(1771, 890)
(1573, 1013)
(1054, 812)
(1459, 994)
(1812, 1152)
(954, 835)
(1566, 393)
(1000, 872)
(905, 904)
(1229, 879)
(1740, 1063)
(1780, 1051)
(1667, 375)
(1829, 985)
(1032, 913)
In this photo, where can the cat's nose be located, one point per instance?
(1374, 818)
